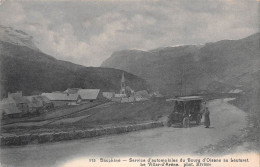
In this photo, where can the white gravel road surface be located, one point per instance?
(226, 120)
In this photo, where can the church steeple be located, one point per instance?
(123, 77)
(123, 86)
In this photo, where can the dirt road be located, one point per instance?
(226, 120)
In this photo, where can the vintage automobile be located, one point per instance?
(186, 109)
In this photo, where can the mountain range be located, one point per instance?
(25, 68)
(221, 66)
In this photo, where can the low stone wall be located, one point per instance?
(78, 134)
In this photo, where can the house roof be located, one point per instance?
(61, 96)
(18, 99)
(88, 94)
(35, 101)
(9, 108)
(120, 95)
(7, 100)
(108, 94)
(45, 99)
(142, 93)
(157, 94)
(128, 88)
(72, 90)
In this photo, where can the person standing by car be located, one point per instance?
(207, 119)
(203, 107)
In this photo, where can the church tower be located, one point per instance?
(123, 87)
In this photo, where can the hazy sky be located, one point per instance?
(88, 31)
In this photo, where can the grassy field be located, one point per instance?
(128, 112)
(112, 114)
(96, 115)
(59, 112)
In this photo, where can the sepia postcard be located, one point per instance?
(111, 83)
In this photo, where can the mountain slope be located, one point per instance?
(214, 67)
(33, 72)
(17, 37)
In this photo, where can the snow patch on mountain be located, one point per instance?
(16, 37)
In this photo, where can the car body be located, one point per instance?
(186, 109)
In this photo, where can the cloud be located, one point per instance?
(11, 13)
(88, 32)
(61, 42)
(56, 40)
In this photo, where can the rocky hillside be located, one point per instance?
(16, 37)
(26, 68)
(214, 67)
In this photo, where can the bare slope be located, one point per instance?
(215, 67)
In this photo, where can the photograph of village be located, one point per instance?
(97, 78)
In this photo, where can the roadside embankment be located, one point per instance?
(71, 135)
(248, 138)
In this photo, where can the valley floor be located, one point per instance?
(226, 121)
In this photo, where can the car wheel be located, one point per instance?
(185, 122)
(169, 124)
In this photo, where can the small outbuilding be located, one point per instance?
(19, 100)
(90, 94)
(39, 103)
(108, 95)
(116, 99)
(60, 99)
(9, 110)
(127, 99)
(142, 95)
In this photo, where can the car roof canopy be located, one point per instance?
(186, 98)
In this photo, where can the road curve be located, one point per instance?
(226, 120)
